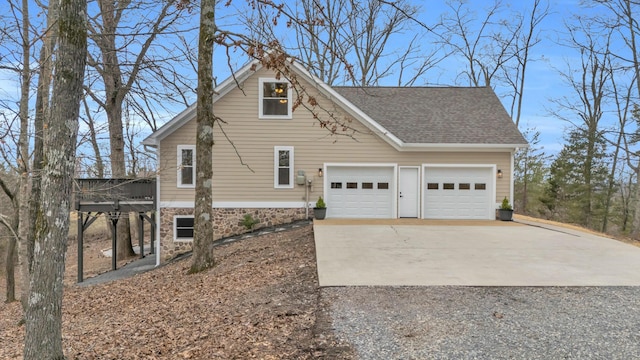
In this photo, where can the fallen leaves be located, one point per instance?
(260, 301)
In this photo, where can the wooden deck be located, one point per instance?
(115, 197)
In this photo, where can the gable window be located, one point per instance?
(186, 166)
(183, 228)
(275, 99)
(283, 167)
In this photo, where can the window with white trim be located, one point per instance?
(283, 167)
(275, 99)
(186, 166)
(183, 228)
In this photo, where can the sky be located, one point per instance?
(543, 85)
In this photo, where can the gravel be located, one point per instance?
(486, 322)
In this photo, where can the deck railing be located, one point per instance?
(114, 190)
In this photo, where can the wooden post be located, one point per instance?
(141, 234)
(114, 240)
(153, 232)
(80, 246)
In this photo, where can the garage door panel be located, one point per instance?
(472, 200)
(359, 194)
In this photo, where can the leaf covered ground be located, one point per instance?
(260, 301)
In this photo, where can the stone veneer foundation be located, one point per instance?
(226, 222)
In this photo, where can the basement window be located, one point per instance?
(183, 228)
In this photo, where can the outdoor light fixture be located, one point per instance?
(499, 174)
(320, 172)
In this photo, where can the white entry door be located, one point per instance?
(408, 192)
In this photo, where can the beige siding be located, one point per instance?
(254, 140)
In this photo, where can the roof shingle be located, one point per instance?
(437, 115)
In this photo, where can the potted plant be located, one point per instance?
(320, 211)
(505, 211)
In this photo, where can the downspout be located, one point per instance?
(157, 232)
(511, 179)
(156, 150)
(306, 196)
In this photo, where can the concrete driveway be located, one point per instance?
(485, 253)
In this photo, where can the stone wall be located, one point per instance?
(226, 222)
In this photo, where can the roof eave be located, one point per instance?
(460, 147)
(190, 112)
(353, 110)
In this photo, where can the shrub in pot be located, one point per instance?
(320, 210)
(505, 212)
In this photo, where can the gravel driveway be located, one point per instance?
(486, 322)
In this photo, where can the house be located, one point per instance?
(416, 152)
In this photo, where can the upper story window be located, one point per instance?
(275, 99)
(283, 167)
(186, 166)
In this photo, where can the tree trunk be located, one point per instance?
(9, 267)
(635, 222)
(118, 170)
(43, 338)
(203, 218)
(611, 183)
(115, 92)
(12, 243)
(23, 158)
(42, 109)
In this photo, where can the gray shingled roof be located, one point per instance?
(437, 115)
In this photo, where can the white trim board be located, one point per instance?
(237, 204)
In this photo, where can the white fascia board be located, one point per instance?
(360, 164)
(460, 147)
(354, 111)
(189, 113)
(168, 128)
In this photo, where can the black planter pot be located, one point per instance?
(319, 213)
(505, 215)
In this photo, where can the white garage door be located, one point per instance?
(359, 192)
(458, 193)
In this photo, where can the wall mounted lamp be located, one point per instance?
(499, 174)
(319, 172)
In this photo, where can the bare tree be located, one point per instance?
(621, 19)
(621, 95)
(11, 224)
(119, 73)
(348, 41)
(25, 39)
(203, 220)
(584, 111)
(23, 152)
(486, 41)
(43, 338)
(526, 40)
